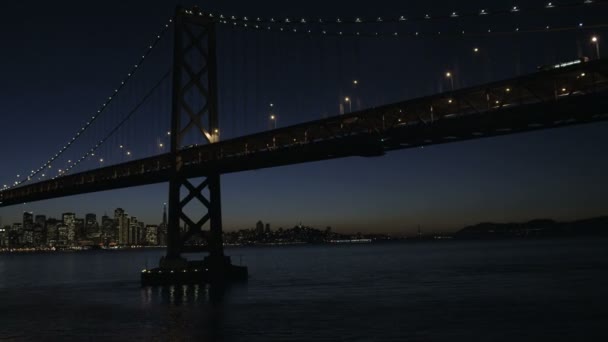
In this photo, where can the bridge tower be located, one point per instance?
(194, 115)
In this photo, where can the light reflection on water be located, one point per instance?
(440, 291)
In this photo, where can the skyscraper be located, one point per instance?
(90, 225)
(108, 229)
(122, 222)
(27, 234)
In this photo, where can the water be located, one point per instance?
(433, 291)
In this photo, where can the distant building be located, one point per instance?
(267, 230)
(151, 238)
(69, 221)
(259, 227)
(40, 221)
(78, 229)
(108, 230)
(27, 233)
(133, 236)
(121, 219)
(62, 235)
(28, 220)
(91, 226)
(16, 235)
(52, 232)
(4, 237)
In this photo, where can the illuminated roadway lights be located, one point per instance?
(349, 102)
(450, 76)
(596, 41)
(273, 120)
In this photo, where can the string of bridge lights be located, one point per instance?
(413, 34)
(95, 116)
(92, 151)
(551, 5)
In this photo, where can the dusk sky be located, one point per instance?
(59, 61)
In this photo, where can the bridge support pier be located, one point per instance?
(194, 118)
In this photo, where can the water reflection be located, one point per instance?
(190, 310)
(180, 295)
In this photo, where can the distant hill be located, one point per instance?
(536, 228)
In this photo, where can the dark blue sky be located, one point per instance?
(60, 61)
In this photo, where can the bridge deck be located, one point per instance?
(563, 96)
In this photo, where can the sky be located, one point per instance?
(60, 60)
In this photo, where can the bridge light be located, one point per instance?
(476, 50)
(121, 147)
(128, 153)
(161, 145)
(508, 90)
(596, 40)
(450, 101)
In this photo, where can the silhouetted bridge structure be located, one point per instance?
(562, 96)
(572, 95)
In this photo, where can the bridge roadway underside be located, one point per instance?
(507, 120)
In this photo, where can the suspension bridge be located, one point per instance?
(190, 150)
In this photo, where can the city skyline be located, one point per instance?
(549, 174)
